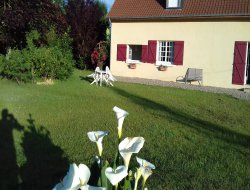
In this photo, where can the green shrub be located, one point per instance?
(53, 61)
(1, 63)
(15, 66)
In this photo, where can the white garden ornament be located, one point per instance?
(120, 115)
(97, 137)
(115, 176)
(129, 146)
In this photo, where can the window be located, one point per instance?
(162, 52)
(173, 3)
(134, 53)
(165, 53)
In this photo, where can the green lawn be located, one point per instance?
(196, 140)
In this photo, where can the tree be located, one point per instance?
(61, 4)
(87, 28)
(24, 15)
(5, 4)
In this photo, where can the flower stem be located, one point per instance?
(143, 183)
(100, 168)
(136, 183)
(118, 154)
(116, 186)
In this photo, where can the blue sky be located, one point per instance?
(109, 3)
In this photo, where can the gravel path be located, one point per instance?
(232, 92)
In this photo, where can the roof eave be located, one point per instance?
(181, 17)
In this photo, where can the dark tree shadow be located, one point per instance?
(46, 163)
(205, 127)
(95, 174)
(9, 170)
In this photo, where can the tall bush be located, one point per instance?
(85, 18)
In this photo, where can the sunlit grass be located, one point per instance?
(196, 140)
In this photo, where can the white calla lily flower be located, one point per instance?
(88, 187)
(129, 146)
(97, 137)
(115, 176)
(146, 168)
(137, 177)
(146, 172)
(84, 174)
(120, 115)
(76, 178)
(145, 163)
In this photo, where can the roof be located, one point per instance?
(191, 9)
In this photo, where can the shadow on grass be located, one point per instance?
(95, 173)
(9, 170)
(46, 164)
(188, 120)
(87, 79)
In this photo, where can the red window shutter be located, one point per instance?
(121, 52)
(144, 53)
(178, 52)
(240, 50)
(152, 45)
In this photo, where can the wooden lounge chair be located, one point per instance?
(191, 75)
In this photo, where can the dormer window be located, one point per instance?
(173, 4)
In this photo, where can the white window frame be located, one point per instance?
(129, 55)
(246, 64)
(173, 4)
(166, 62)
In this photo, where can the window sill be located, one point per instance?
(133, 61)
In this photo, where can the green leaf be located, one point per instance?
(116, 160)
(127, 185)
(104, 182)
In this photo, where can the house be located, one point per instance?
(212, 35)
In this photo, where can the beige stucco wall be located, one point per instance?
(207, 45)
